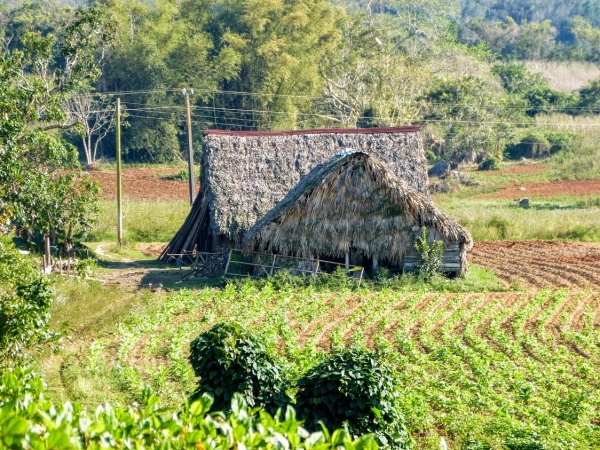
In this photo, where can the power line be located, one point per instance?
(322, 98)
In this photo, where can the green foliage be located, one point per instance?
(537, 144)
(533, 90)
(489, 164)
(545, 100)
(229, 359)
(431, 254)
(516, 79)
(354, 388)
(462, 106)
(182, 175)
(25, 299)
(35, 77)
(589, 97)
(28, 420)
(561, 13)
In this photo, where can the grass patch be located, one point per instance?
(143, 221)
(565, 218)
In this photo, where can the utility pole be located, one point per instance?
(119, 197)
(190, 148)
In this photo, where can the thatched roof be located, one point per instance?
(245, 174)
(352, 202)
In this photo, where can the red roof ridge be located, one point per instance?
(377, 130)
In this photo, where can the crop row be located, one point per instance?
(472, 366)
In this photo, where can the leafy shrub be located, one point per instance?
(589, 97)
(489, 164)
(182, 175)
(560, 141)
(25, 298)
(354, 387)
(431, 254)
(228, 359)
(545, 100)
(533, 145)
(537, 144)
(28, 420)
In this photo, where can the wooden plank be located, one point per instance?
(444, 266)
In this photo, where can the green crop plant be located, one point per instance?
(228, 359)
(29, 420)
(470, 367)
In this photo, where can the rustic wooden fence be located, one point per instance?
(267, 264)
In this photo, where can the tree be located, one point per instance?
(35, 78)
(535, 40)
(589, 97)
(25, 298)
(369, 82)
(95, 117)
(469, 115)
(280, 45)
(587, 37)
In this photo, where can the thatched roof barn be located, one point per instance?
(354, 204)
(245, 174)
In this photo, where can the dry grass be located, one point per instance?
(567, 76)
(583, 161)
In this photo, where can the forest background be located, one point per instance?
(460, 68)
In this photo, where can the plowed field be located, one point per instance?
(548, 189)
(540, 263)
(143, 184)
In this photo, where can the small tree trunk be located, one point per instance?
(47, 255)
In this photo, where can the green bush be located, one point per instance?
(537, 144)
(533, 145)
(28, 420)
(589, 97)
(356, 388)
(489, 164)
(560, 141)
(431, 254)
(228, 359)
(25, 298)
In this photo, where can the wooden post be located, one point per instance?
(47, 256)
(119, 193)
(228, 259)
(317, 267)
(375, 263)
(188, 116)
(273, 264)
(347, 262)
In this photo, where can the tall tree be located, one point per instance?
(280, 44)
(94, 118)
(35, 77)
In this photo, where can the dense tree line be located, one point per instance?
(559, 12)
(285, 64)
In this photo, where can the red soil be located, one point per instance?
(540, 263)
(143, 184)
(577, 188)
(524, 170)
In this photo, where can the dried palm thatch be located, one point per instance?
(245, 174)
(354, 203)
